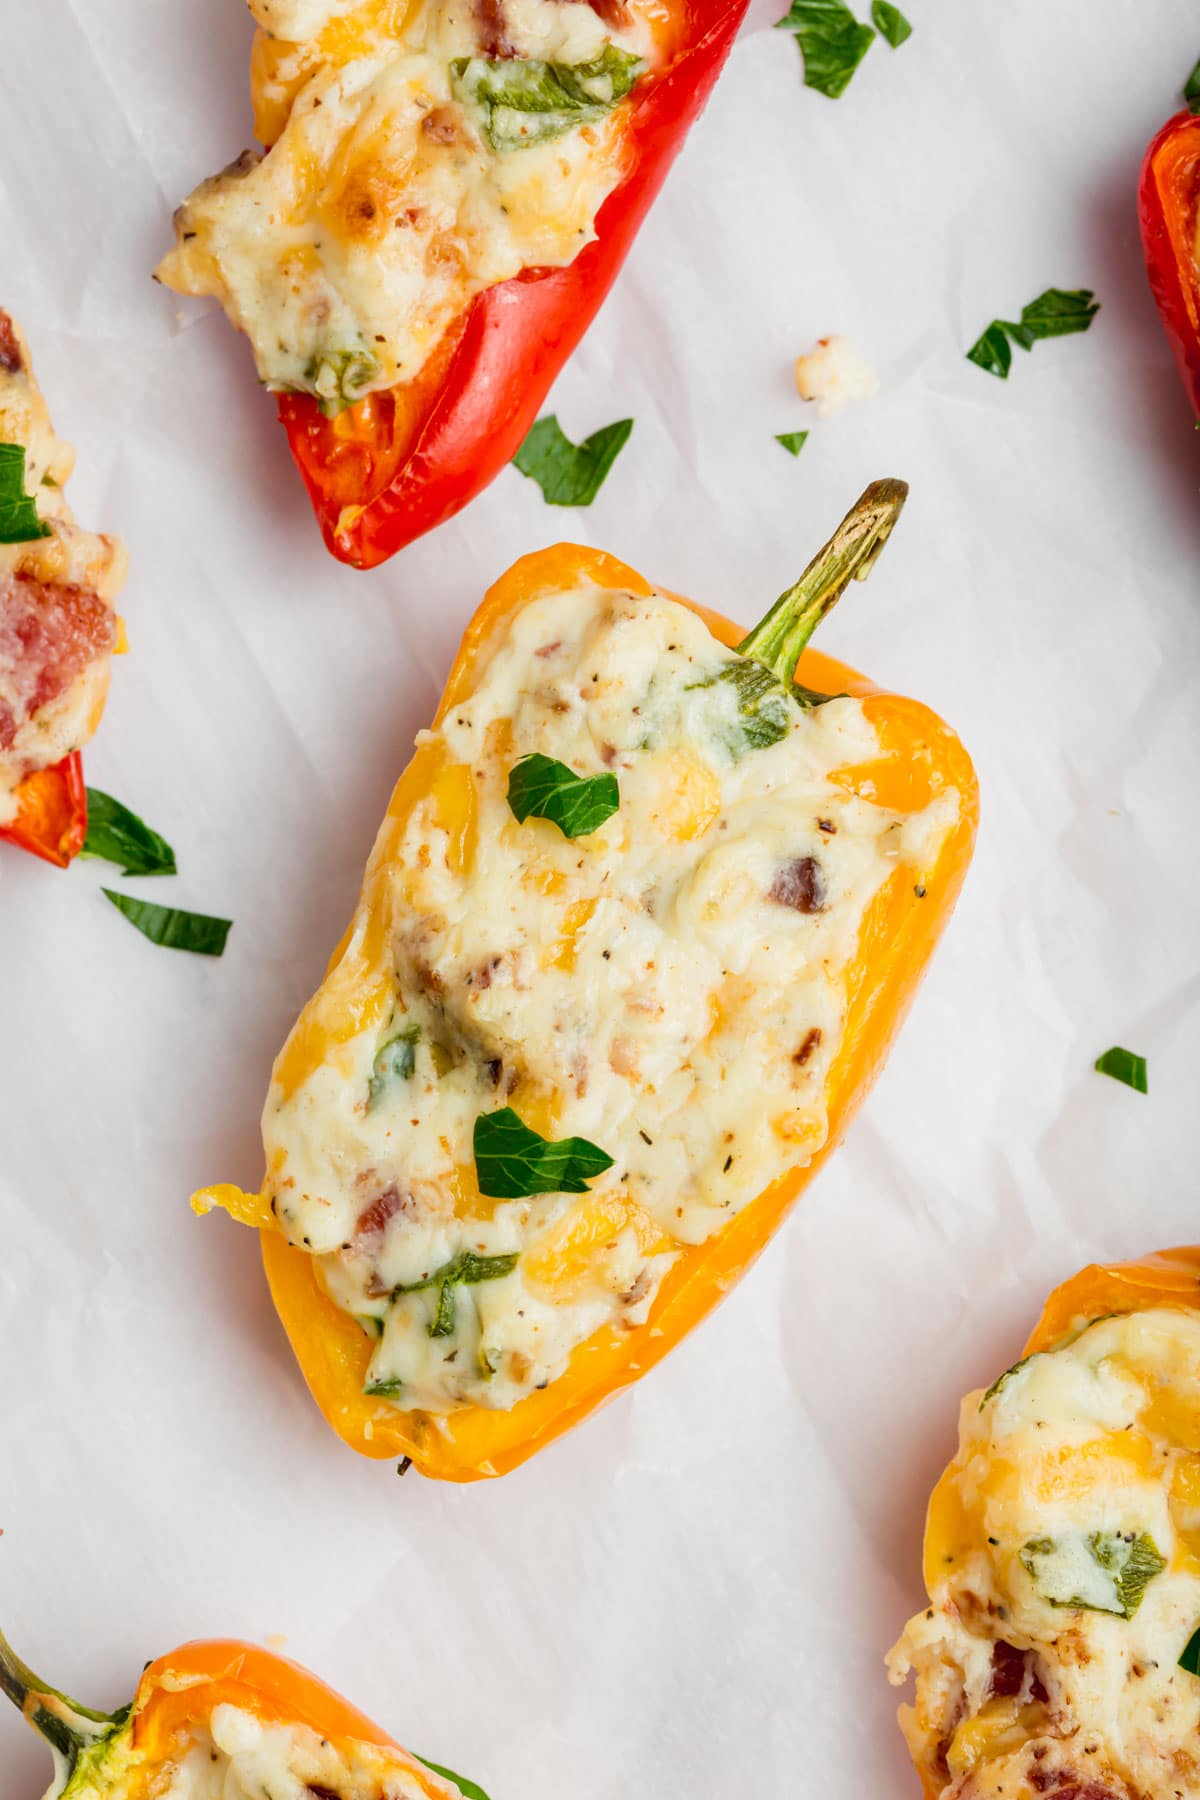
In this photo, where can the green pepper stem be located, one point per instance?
(778, 639)
(67, 1727)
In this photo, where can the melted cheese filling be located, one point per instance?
(1067, 1532)
(670, 987)
(68, 558)
(384, 205)
(236, 1756)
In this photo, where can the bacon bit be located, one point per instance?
(493, 29)
(1008, 1671)
(827, 825)
(444, 125)
(320, 1792)
(549, 649)
(608, 755)
(411, 216)
(482, 977)
(372, 1222)
(10, 350)
(49, 633)
(799, 885)
(1068, 1784)
(807, 1047)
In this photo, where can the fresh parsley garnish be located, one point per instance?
(547, 789)
(116, 835)
(525, 101)
(832, 43)
(1124, 1066)
(1191, 93)
(470, 1790)
(512, 1162)
(890, 23)
(394, 1061)
(19, 522)
(1058, 312)
(463, 1271)
(173, 929)
(1106, 1571)
(1190, 1660)
(792, 441)
(570, 474)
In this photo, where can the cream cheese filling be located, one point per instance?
(394, 194)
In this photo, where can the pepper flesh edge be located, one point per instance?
(898, 936)
(208, 1672)
(468, 414)
(1169, 215)
(51, 820)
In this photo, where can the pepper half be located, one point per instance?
(919, 757)
(399, 462)
(1169, 214)
(51, 819)
(116, 1756)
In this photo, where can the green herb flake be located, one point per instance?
(1124, 1066)
(570, 474)
(1191, 93)
(173, 929)
(1106, 1572)
(541, 787)
(394, 1061)
(890, 23)
(19, 522)
(1190, 1660)
(116, 835)
(463, 1271)
(832, 43)
(390, 1389)
(470, 1790)
(512, 1162)
(764, 708)
(1059, 312)
(1001, 1379)
(525, 101)
(792, 441)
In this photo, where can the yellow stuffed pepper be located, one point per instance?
(1060, 1653)
(635, 936)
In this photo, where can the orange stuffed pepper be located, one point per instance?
(223, 1718)
(1060, 1652)
(648, 907)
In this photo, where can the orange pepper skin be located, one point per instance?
(188, 1683)
(920, 755)
(1165, 1278)
(51, 819)
(1169, 215)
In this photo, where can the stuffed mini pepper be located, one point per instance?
(58, 622)
(635, 936)
(221, 1720)
(1060, 1652)
(449, 192)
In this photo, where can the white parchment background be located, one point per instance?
(692, 1594)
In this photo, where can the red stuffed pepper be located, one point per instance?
(449, 194)
(58, 622)
(1169, 210)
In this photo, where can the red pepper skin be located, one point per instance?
(51, 819)
(375, 490)
(1169, 213)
